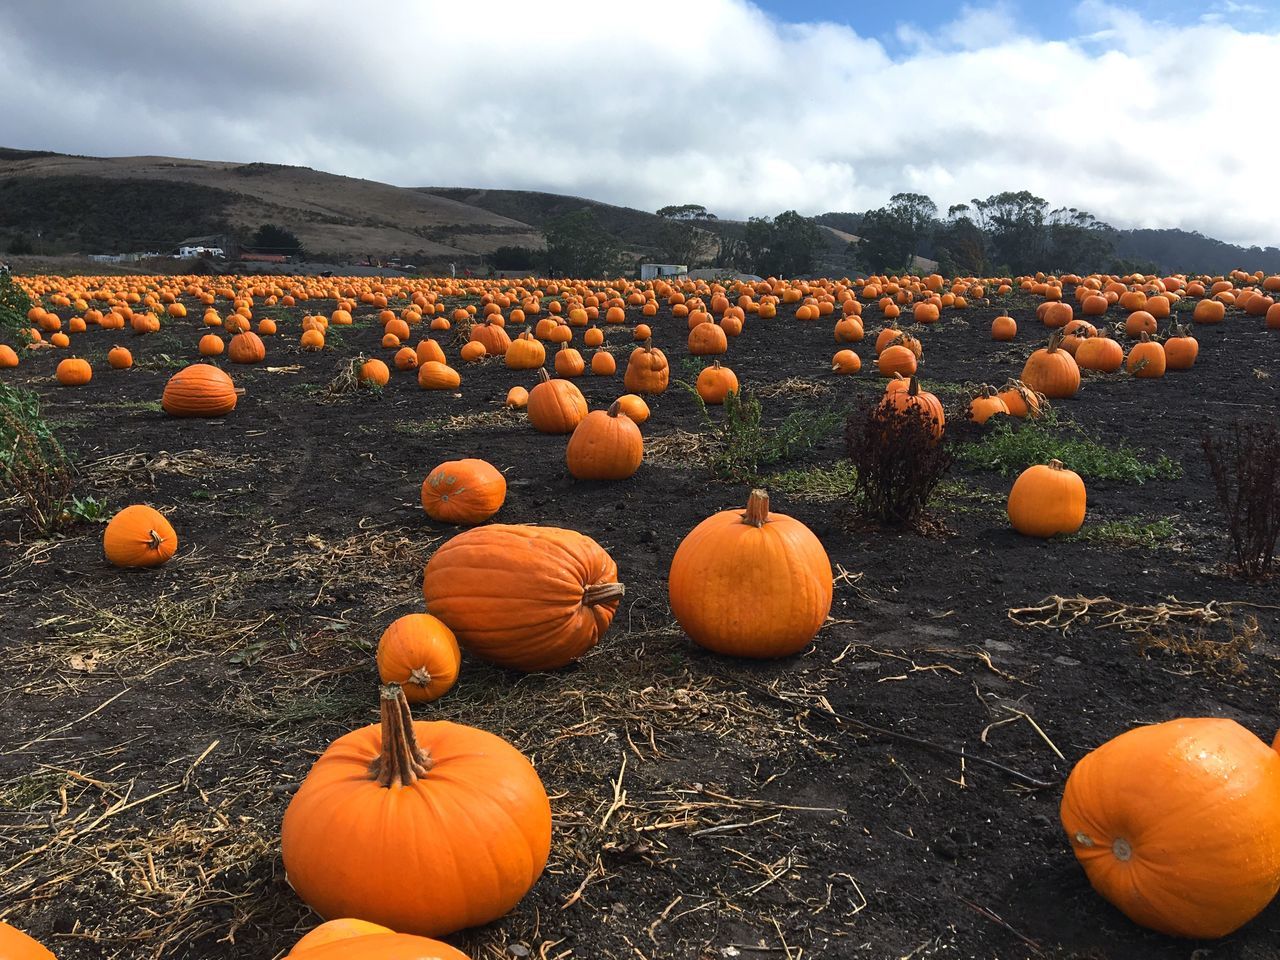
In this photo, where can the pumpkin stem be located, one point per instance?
(597, 593)
(913, 388)
(155, 540)
(614, 409)
(543, 377)
(757, 512)
(420, 676)
(1055, 464)
(402, 762)
(1055, 341)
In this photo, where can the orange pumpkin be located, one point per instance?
(634, 407)
(16, 945)
(715, 383)
(1052, 371)
(434, 375)
(139, 536)
(1047, 500)
(423, 827)
(647, 370)
(348, 939)
(421, 654)
(463, 491)
(8, 357)
(555, 406)
(524, 597)
(1175, 824)
(374, 372)
(246, 347)
(845, 361)
(1146, 358)
(200, 390)
(74, 372)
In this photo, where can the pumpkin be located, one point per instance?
(428, 350)
(1021, 401)
(1209, 311)
(526, 352)
(1139, 322)
(1146, 358)
(896, 359)
(373, 373)
(8, 357)
(1181, 350)
(1099, 352)
(1004, 327)
(16, 945)
(1047, 500)
(715, 383)
(846, 361)
(1175, 824)
(139, 536)
(606, 445)
(472, 351)
(848, 330)
(634, 407)
(422, 827)
(348, 939)
(200, 390)
(569, 362)
(707, 339)
(913, 398)
(1052, 371)
(246, 347)
(119, 358)
(60, 340)
(421, 654)
(434, 375)
(647, 370)
(525, 597)
(603, 364)
(555, 406)
(211, 345)
(517, 398)
(750, 583)
(312, 340)
(986, 405)
(593, 337)
(74, 372)
(463, 491)
(495, 338)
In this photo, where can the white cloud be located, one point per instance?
(666, 101)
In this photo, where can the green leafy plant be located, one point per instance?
(744, 443)
(1128, 533)
(1011, 447)
(34, 470)
(14, 304)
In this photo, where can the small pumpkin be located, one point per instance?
(715, 383)
(1022, 402)
(1047, 500)
(119, 358)
(464, 491)
(1004, 327)
(1146, 358)
(349, 939)
(472, 351)
(311, 340)
(374, 373)
(526, 352)
(524, 597)
(1181, 349)
(1175, 824)
(555, 406)
(428, 350)
(517, 398)
(74, 372)
(603, 364)
(986, 405)
(421, 654)
(246, 347)
(139, 536)
(211, 345)
(606, 445)
(845, 362)
(200, 390)
(1052, 371)
(633, 406)
(913, 398)
(750, 583)
(8, 357)
(422, 827)
(1099, 352)
(896, 359)
(569, 362)
(707, 339)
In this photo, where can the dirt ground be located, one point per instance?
(157, 723)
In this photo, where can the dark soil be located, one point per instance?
(157, 723)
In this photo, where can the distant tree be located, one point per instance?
(1078, 242)
(1014, 223)
(732, 255)
(680, 240)
(271, 238)
(960, 246)
(890, 236)
(686, 211)
(785, 245)
(20, 245)
(512, 258)
(577, 246)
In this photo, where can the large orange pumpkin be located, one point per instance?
(555, 406)
(1047, 500)
(647, 370)
(1176, 824)
(606, 445)
(16, 945)
(750, 583)
(422, 827)
(200, 390)
(246, 347)
(421, 654)
(530, 598)
(1052, 371)
(348, 939)
(463, 491)
(139, 536)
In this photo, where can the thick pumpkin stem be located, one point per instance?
(1056, 465)
(614, 409)
(1055, 341)
(155, 540)
(402, 763)
(757, 512)
(419, 676)
(597, 593)
(543, 376)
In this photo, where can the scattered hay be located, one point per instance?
(792, 386)
(678, 448)
(137, 469)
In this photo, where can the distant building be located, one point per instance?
(186, 253)
(651, 271)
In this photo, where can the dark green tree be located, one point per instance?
(577, 246)
(784, 246)
(686, 211)
(512, 258)
(891, 236)
(680, 239)
(1014, 223)
(271, 238)
(960, 246)
(1078, 242)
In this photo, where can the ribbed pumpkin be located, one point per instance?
(1181, 350)
(750, 583)
(200, 390)
(426, 828)
(421, 654)
(211, 345)
(525, 353)
(246, 347)
(913, 398)
(633, 406)
(1021, 401)
(16, 945)
(348, 939)
(139, 536)
(1004, 327)
(1099, 352)
(374, 372)
(1176, 824)
(603, 364)
(986, 405)
(707, 339)
(1052, 371)
(569, 362)
(606, 445)
(647, 370)
(495, 338)
(555, 406)
(1146, 358)
(434, 375)
(1047, 500)
(715, 383)
(845, 362)
(74, 372)
(525, 597)
(463, 491)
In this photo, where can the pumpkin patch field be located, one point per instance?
(897, 617)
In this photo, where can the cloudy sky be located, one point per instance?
(1144, 113)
